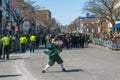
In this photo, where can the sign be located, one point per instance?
(78, 27)
(26, 26)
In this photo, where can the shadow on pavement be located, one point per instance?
(14, 75)
(18, 58)
(2, 61)
(53, 71)
(73, 70)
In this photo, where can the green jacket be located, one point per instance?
(52, 49)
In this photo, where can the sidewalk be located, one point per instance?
(107, 49)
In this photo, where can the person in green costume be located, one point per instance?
(53, 53)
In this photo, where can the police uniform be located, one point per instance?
(32, 42)
(6, 46)
(23, 41)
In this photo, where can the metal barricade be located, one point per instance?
(111, 44)
(116, 44)
(14, 45)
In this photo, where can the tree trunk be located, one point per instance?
(18, 28)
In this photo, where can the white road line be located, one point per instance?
(25, 74)
(20, 69)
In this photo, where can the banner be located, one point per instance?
(78, 27)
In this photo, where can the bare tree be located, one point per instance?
(104, 8)
(72, 27)
(16, 14)
(31, 5)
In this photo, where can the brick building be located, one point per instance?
(29, 13)
(42, 15)
(89, 25)
(95, 25)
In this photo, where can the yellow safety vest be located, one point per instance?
(6, 41)
(25, 39)
(32, 38)
(22, 40)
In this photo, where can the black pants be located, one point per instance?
(0, 51)
(55, 58)
(6, 51)
(23, 48)
(32, 46)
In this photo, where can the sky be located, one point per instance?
(64, 11)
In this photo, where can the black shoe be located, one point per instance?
(7, 58)
(64, 70)
(43, 71)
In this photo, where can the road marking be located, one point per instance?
(25, 74)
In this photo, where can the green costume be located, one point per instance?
(53, 53)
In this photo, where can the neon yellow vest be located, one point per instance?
(32, 38)
(22, 40)
(6, 41)
(25, 40)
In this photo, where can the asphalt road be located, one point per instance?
(94, 63)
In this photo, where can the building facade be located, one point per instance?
(38, 15)
(42, 16)
(94, 25)
(3, 14)
(91, 25)
(28, 12)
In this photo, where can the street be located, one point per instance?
(94, 63)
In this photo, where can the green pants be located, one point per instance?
(55, 58)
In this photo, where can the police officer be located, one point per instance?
(23, 41)
(32, 42)
(6, 46)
